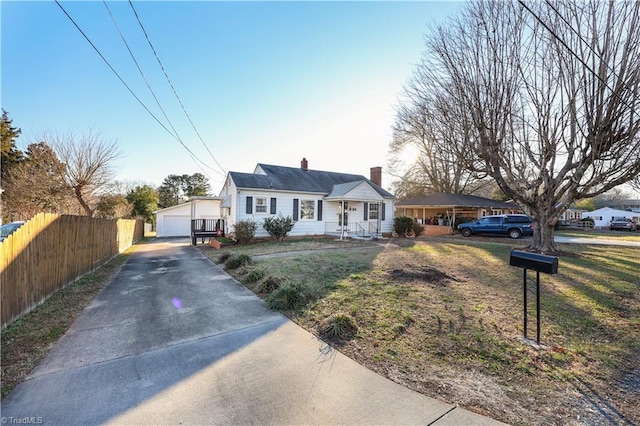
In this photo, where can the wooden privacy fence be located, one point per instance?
(51, 251)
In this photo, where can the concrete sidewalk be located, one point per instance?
(172, 339)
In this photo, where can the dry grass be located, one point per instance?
(444, 317)
(26, 341)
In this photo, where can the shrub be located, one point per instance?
(235, 262)
(403, 225)
(268, 285)
(287, 298)
(417, 229)
(245, 230)
(340, 326)
(588, 222)
(223, 257)
(278, 227)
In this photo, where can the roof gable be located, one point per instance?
(280, 178)
(361, 190)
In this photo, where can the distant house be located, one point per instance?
(572, 214)
(320, 202)
(175, 221)
(602, 217)
(429, 208)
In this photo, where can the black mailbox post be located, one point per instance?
(534, 262)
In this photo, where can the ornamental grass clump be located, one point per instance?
(289, 297)
(254, 276)
(268, 285)
(237, 261)
(223, 257)
(339, 326)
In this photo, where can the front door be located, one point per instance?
(343, 215)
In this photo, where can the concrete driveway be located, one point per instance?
(172, 339)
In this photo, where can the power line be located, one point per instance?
(172, 87)
(135, 61)
(557, 12)
(124, 83)
(566, 46)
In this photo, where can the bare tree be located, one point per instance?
(552, 95)
(88, 161)
(431, 122)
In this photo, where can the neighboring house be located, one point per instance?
(175, 221)
(441, 209)
(572, 214)
(320, 202)
(602, 217)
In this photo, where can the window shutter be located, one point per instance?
(273, 206)
(366, 211)
(295, 209)
(382, 212)
(319, 209)
(249, 205)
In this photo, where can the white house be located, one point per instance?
(603, 216)
(572, 214)
(320, 202)
(175, 221)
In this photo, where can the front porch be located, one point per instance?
(357, 230)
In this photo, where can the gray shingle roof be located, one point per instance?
(280, 178)
(458, 200)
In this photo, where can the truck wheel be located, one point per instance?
(515, 233)
(466, 232)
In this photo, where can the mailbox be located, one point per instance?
(534, 261)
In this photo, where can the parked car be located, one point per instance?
(8, 228)
(623, 224)
(513, 225)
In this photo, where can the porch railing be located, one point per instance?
(360, 229)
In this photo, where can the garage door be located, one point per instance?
(176, 226)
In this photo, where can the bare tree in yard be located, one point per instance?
(88, 163)
(431, 122)
(552, 92)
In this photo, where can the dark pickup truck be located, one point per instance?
(624, 224)
(513, 225)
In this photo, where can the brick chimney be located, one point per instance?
(376, 175)
(304, 164)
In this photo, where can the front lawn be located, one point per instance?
(444, 317)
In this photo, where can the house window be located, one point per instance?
(261, 205)
(307, 209)
(374, 209)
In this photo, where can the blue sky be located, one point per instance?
(264, 82)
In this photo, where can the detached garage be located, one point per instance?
(175, 221)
